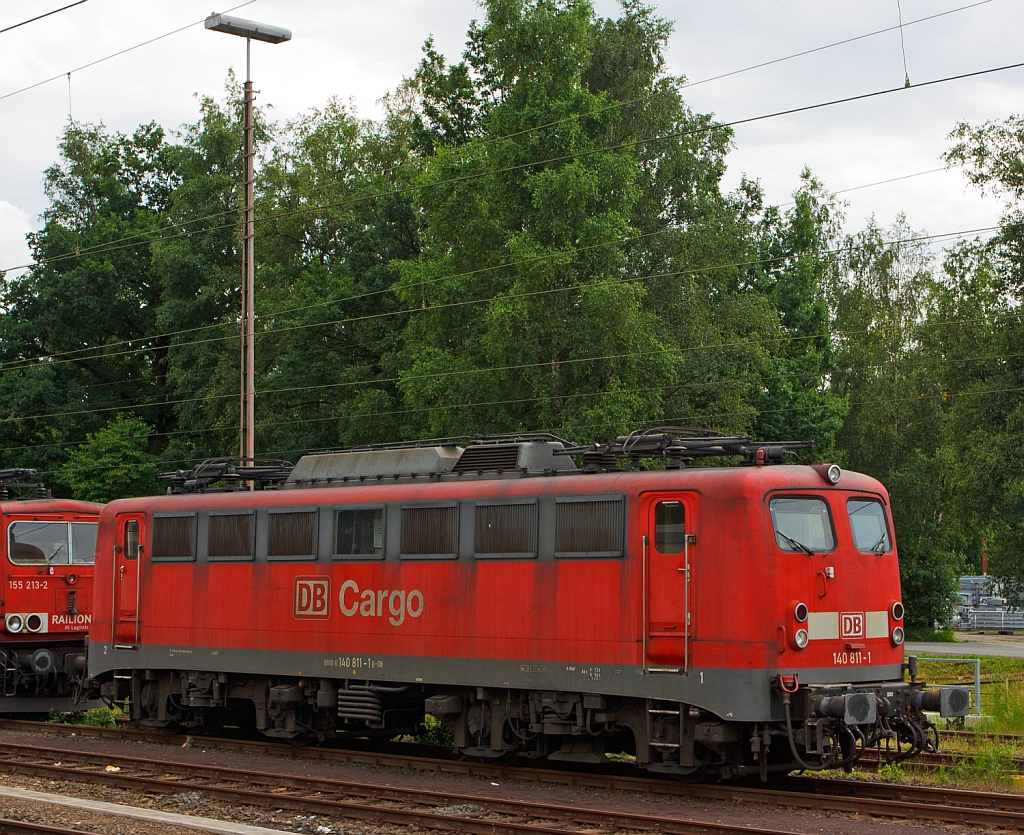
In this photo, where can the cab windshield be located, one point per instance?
(870, 531)
(802, 525)
(51, 543)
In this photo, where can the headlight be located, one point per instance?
(33, 623)
(15, 623)
(897, 611)
(834, 474)
(897, 636)
(800, 638)
(800, 612)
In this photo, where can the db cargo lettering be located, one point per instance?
(370, 603)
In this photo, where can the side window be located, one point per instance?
(669, 527)
(38, 543)
(174, 537)
(870, 530)
(589, 527)
(506, 530)
(231, 536)
(359, 533)
(292, 534)
(802, 525)
(131, 539)
(430, 532)
(83, 542)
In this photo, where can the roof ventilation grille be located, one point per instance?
(488, 457)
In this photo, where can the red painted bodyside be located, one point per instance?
(575, 610)
(46, 589)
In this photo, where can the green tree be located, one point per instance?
(112, 463)
(985, 435)
(572, 273)
(798, 265)
(335, 226)
(889, 366)
(76, 330)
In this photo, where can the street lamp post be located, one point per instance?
(251, 31)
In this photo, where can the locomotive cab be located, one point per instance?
(839, 626)
(47, 549)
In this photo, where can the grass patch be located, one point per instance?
(435, 732)
(97, 717)
(1006, 707)
(933, 636)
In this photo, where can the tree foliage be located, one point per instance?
(112, 463)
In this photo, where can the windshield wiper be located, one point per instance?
(880, 547)
(798, 545)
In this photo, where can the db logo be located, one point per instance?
(311, 596)
(851, 625)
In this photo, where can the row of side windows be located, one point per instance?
(547, 527)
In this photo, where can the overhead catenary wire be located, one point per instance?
(758, 66)
(41, 16)
(627, 144)
(113, 55)
(687, 84)
(544, 126)
(102, 354)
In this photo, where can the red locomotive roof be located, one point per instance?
(49, 506)
(750, 481)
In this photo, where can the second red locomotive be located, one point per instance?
(736, 619)
(46, 552)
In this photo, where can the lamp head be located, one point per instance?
(248, 28)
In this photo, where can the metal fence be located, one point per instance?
(997, 620)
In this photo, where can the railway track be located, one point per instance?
(473, 813)
(344, 799)
(432, 758)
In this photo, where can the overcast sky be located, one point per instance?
(360, 49)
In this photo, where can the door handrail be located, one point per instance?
(643, 597)
(686, 604)
(138, 580)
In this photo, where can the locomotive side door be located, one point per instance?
(127, 551)
(668, 552)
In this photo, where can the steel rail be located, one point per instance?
(907, 793)
(315, 794)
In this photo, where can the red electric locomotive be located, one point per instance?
(726, 618)
(47, 552)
